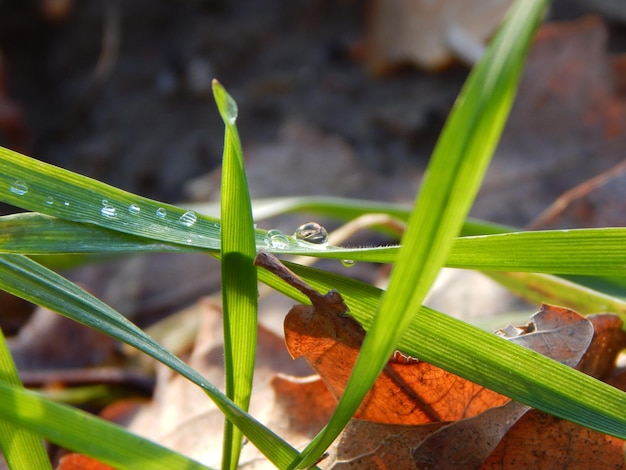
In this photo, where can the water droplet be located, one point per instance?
(160, 212)
(19, 187)
(66, 203)
(312, 232)
(134, 209)
(231, 109)
(276, 239)
(108, 210)
(49, 200)
(348, 263)
(188, 218)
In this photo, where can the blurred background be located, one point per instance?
(336, 97)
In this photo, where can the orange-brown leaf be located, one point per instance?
(539, 440)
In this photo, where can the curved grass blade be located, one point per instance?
(26, 279)
(40, 187)
(452, 179)
(84, 433)
(21, 448)
(239, 282)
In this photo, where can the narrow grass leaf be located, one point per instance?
(599, 252)
(451, 182)
(239, 281)
(21, 448)
(40, 187)
(84, 433)
(27, 279)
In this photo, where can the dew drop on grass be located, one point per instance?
(66, 203)
(49, 200)
(19, 187)
(188, 218)
(160, 212)
(276, 239)
(134, 209)
(348, 263)
(231, 109)
(312, 232)
(108, 210)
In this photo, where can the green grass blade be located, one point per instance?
(21, 448)
(26, 279)
(452, 180)
(481, 357)
(599, 252)
(239, 281)
(40, 187)
(84, 433)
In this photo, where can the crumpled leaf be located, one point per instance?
(80, 462)
(555, 332)
(411, 392)
(539, 440)
(430, 34)
(408, 391)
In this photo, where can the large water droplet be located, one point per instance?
(312, 232)
(108, 210)
(160, 212)
(348, 263)
(276, 239)
(19, 187)
(231, 109)
(188, 218)
(134, 209)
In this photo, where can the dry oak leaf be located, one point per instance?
(539, 440)
(80, 462)
(407, 392)
(430, 34)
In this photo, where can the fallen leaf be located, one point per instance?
(407, 392)
(568, 114)
(429, 34)
(410, 392)
(304, 402)
(80, 462)
(539, 440)
(609, 339)
(556, 332)
(468, 442)
(369, 445)
(51, 341)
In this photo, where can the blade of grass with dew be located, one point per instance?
(84, 433)
(25, 278)
(488, 360)
(21, 448)
(451, 182)
(599, 252)
(40, 187)
(239, 281)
